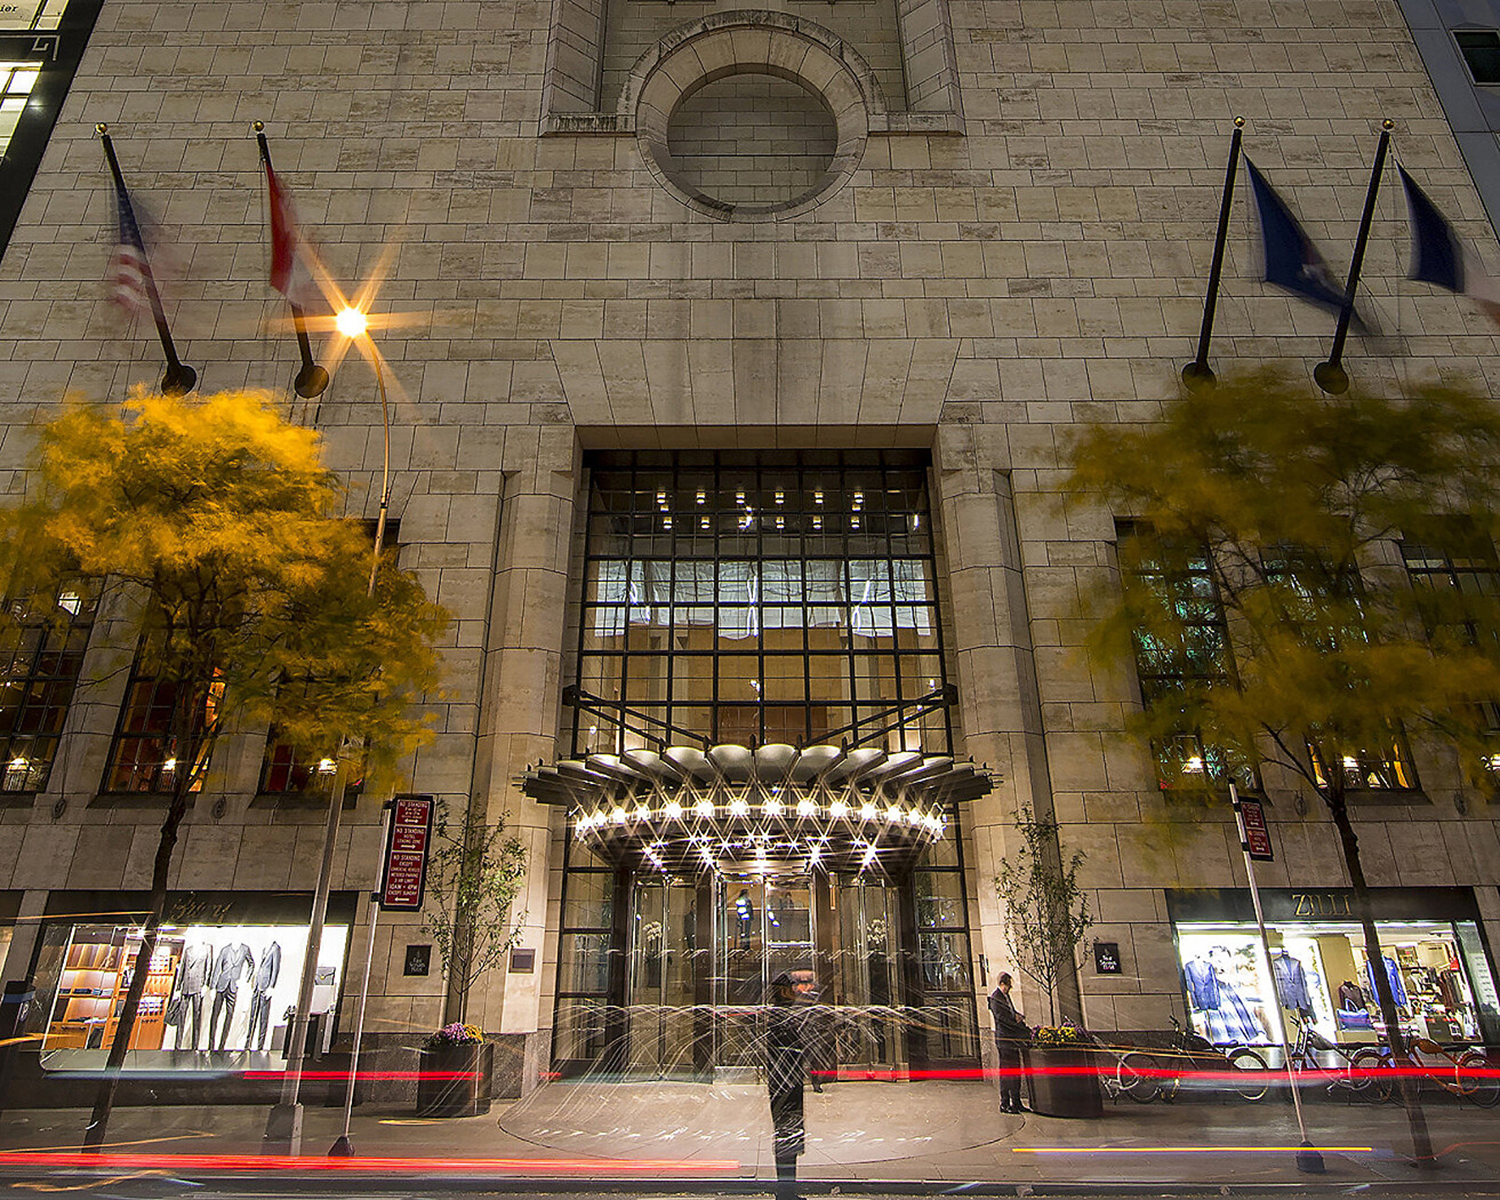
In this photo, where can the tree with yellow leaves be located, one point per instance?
(1276, 600)
(214, 523)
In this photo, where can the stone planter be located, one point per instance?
(1064, 1081)
(455, 1081)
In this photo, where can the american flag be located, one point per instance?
(132, 273)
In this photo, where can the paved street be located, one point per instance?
(700, 1138)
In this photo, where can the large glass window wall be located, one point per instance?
(751, 599)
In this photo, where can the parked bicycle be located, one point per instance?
(1459, 1071)
(1350, 1070)
(1146, 1075)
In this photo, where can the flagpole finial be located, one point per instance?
(101, 129)
(258, 126)
(1388, 124)
(1239, 122)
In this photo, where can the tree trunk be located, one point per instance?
(460, 968)
(104, 1098)
(1411, 1099)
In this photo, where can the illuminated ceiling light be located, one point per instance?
(642, 812)
(893, 813)
(1350, 761)
(672, 810)
(1194, 764)
(351, 323)
(913, 817)
(326, 766)
(738, 808)
(704, 808)
(771, 808)
(169, 765)
(868, 811)
(806, 808)
(838, 809)
(619, 815)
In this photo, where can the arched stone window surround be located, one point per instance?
(762, 43)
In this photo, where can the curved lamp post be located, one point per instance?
(284, 1127)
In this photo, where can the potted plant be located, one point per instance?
(1063, 1073)
(1046, 915)
(457, 1066)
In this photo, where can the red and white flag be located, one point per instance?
(289, 273)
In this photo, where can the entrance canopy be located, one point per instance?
(685, 812)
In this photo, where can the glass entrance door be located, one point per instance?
(663, 979)
(703, 954)
(868, 1030)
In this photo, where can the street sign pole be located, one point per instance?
(343, 1147)
(1255, 841)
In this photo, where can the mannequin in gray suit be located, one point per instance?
(266, 976)
(234, 961)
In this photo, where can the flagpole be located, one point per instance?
(1198, 373)
(1330, 375)
(312, 379)
(179, 379)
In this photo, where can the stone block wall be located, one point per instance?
(980, 292)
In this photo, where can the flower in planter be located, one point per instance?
(454, 1035)
(1061, 1035)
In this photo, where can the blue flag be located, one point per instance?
(1437, 256)
(1291, 260)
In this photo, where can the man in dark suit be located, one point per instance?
(1011, 1033)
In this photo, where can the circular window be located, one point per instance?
(751, 139)
(752, 116)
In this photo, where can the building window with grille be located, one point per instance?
(1192, 657)
(44, 644)
(1445, 577)
(144, 756)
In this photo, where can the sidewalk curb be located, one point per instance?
(283, 1182)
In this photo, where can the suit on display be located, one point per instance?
(234, 961)
(192, 977)
(266, 976)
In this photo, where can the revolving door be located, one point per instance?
(702, 955)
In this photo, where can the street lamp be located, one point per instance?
(284, 1127)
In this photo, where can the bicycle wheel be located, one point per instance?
(1477, 1082)
(1253, 1086)
(1139, 1076)
(1369, 1074)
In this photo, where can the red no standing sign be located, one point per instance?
(403, 881)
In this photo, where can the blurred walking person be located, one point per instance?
(785, 1074)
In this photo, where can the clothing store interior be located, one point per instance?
(210, 990)
(1324, 979)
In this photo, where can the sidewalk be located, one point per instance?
(859, 1134)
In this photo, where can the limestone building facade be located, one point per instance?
(667, 287)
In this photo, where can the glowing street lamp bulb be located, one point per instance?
(351, 322)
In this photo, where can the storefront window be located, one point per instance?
(212, 989)
(1321, 975)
